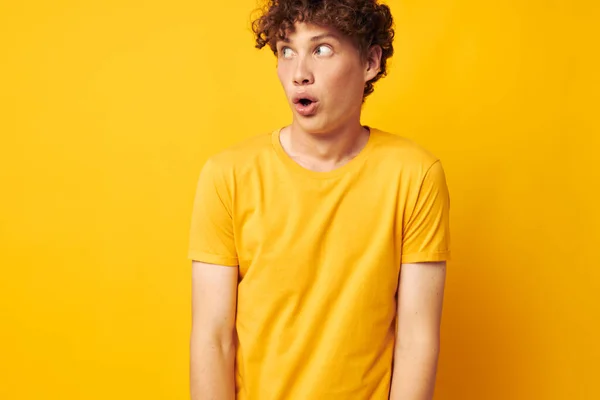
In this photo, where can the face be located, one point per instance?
(323, 77)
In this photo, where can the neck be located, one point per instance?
(333, 147)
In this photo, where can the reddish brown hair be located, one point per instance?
(365, 22)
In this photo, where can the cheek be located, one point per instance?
(281, 75)
(348, 82)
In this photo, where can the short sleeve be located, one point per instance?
(426, 232)
(211, 232)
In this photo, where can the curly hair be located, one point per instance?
(365, 22)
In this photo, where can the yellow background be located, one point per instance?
(109, 109)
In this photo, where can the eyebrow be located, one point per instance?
(323, 36)
(315, 38)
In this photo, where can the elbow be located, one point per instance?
(227, 343)
(221, 341)
(424, 345)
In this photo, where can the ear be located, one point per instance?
(373, 65)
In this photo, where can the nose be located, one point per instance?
(303, 74)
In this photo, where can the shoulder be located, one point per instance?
(242, 154)
(398, 153)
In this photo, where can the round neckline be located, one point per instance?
(350, 165)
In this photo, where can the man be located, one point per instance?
(319, 249)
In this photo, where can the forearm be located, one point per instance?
(212, 365)
(414, 373)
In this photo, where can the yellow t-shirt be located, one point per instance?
(319, 257)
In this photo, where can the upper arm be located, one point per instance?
(420, 297)
(214, 257)
(425, 250)
(426, 231)
(214, 295)
(212, 237)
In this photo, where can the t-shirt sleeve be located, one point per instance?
(426, 232)
(211, 232)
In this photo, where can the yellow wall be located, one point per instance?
(109, 109)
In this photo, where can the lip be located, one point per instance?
(308, 110)
(303, 110)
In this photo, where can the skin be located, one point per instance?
(212, 347)
(323, 63)
(419, 313)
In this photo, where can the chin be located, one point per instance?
(314, 125)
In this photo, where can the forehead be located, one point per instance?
(309, 32)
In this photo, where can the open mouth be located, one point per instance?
(303, 99)
(305, 105)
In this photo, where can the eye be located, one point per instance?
(286, 52)
(324, 50)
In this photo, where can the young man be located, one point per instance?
(319, 249)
